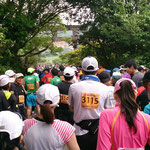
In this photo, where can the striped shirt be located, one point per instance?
(40, 135)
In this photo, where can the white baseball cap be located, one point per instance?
(4, 80)
(11, 123)
(18, 75)
(10, 73)
(89, 64)
(74, 68)
(69, 72)
(48, 92)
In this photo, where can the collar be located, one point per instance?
(90, 77)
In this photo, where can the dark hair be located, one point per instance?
(46, 69)
(129, 107)
(54, 72)
(6, 143)
(104, 76)
(47, 113)
(130, 63)
(61, 67)
(68, 78)
(6, 87)
(90, 72)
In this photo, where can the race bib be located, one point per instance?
(90, 100)
(30, 86)
(62, 78)
(64, 99)
(21, 98)
(49, 80)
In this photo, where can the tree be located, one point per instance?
(24, 19)
(119, 30)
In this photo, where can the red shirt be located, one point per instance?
(47, 78)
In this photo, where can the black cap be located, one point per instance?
(104, 76)
(146, 77)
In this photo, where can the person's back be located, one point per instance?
(46, 136)
(62, 112)
(124, 126)
(55, 80)
(45, 132)
(123, 136)
(30, 83)
(88, 98)
(47, 77)
(7, 99)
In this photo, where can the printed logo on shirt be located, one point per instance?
(64, 98)
(49, 79)
(90, 100)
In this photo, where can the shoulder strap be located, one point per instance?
(146, 121)
(114, 121)
(112, 128)
(6, 105)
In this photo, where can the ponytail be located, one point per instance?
(47, 113)
(129, 107)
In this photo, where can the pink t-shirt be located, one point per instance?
(123, 136)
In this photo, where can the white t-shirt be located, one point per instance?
(38, 135)
(112, 101)
(88, 98)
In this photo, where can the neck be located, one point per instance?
(40, 116)
(135, 71)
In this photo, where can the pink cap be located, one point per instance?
(117, 85)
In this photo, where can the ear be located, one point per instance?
(116, 97)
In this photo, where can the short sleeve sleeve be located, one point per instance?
(70, 96)
(64, 129)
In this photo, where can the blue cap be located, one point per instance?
(116, 70)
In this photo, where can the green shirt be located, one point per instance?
(55, 80)
(30, 83)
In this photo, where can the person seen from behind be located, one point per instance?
(7, 99)
(62, 112)
(124, 126)
(87, 99)
(55, 80)
(106, 79)
(143, 99)
(45, 131)
(11, 127)
(47, 77)
(31, 86)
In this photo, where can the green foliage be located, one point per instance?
(119, 31)
(24, 22)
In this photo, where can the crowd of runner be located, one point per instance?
(87, 108)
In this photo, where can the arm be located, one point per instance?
(37, 85)
(72, 144)
(70, 99)
(104, 134)
(24, 89)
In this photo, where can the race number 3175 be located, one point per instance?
(90, 100)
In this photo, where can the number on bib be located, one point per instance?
(21, 98)
(64, 98)
(49, 80)
(30, 86)
(90, 100)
